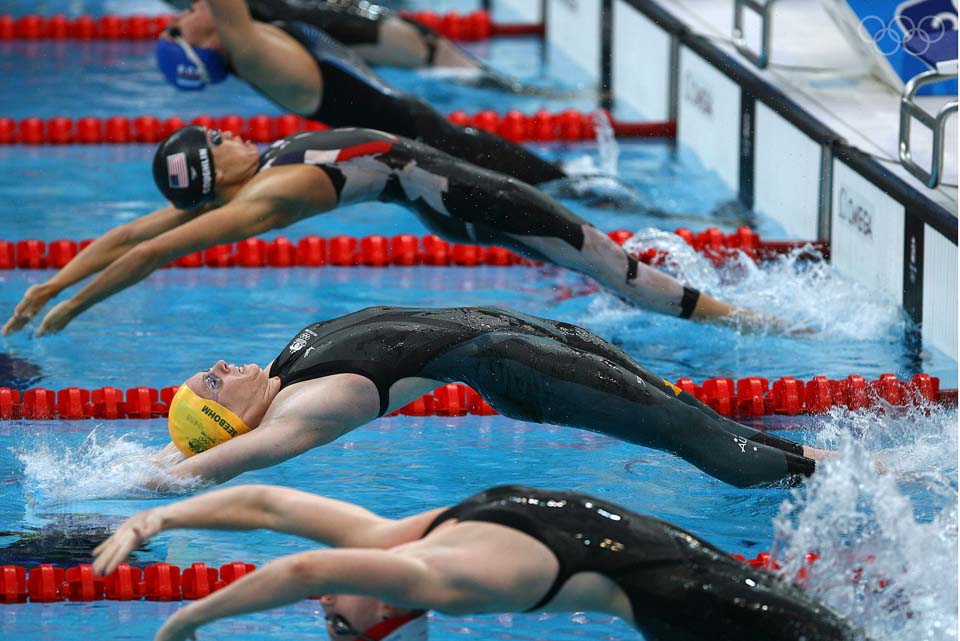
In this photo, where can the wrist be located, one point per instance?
(49, 289)
(165, 520)
(182, 624)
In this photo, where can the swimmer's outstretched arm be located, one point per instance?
(268, 201)
(401, 580)
(103, 251)
(252, 507)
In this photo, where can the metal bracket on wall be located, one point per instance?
(765, 10)
(909, 111)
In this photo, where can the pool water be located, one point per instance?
(62, 482)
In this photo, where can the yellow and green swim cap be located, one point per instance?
(197, 424)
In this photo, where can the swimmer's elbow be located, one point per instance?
(149, 254)
(121, 236)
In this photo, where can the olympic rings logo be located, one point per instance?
(889, 39)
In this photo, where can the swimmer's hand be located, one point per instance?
(134, 532)
(176, 628)
(32, 302)
(58, 318)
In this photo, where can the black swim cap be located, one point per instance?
(183, 168)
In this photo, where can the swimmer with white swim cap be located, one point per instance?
(340, 374)
(506, 549)
(223, 189)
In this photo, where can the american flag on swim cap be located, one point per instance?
(177, 171)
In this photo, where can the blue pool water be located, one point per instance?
(64, 479)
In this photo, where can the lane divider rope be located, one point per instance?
(48, 583)
(746, 397)
(569, 125)
(402, 250)
(476, 25)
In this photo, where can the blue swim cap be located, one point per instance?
(190, 68)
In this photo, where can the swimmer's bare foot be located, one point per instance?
(753, 322)
(880, 467)
(819, 455)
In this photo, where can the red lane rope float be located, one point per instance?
(745, 397)
(569, 125)
(476, 25)
(471, 26)
(48, 583)
(399, 250)
(60, 27)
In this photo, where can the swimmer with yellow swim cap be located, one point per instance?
(336, 375)
(197, 423)
(506, 549)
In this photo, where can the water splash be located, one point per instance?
(56, 473)
(896, 532)
(807, 294)
(608, 151)
(594, 180)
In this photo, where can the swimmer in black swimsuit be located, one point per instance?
(508, 549)
(314, 172)
(306, 71)
(373, 31)
(337, 375)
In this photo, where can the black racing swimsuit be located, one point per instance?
(349, 22)
(679, 587)
(459, 201)
(542, 371)
(358, 22)
(354, 96)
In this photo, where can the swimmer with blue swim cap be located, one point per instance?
(506, 549)
(305, 71)
(188, 67)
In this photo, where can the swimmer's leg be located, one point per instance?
(644, 286)
(583, 340)
(404, 43)
(485, 149)
(540, 379)
(715, 596)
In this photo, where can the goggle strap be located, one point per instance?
(194, 58)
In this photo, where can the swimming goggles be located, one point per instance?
(341, 627)
(213, 383)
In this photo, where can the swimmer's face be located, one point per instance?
(348, 614)
(241, 388)
(196, 25)
(236, 159)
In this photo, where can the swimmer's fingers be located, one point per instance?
(176, 628)
(15, 323)
(137, 530)
(114, 551)
(56, 319)
(32, 302)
